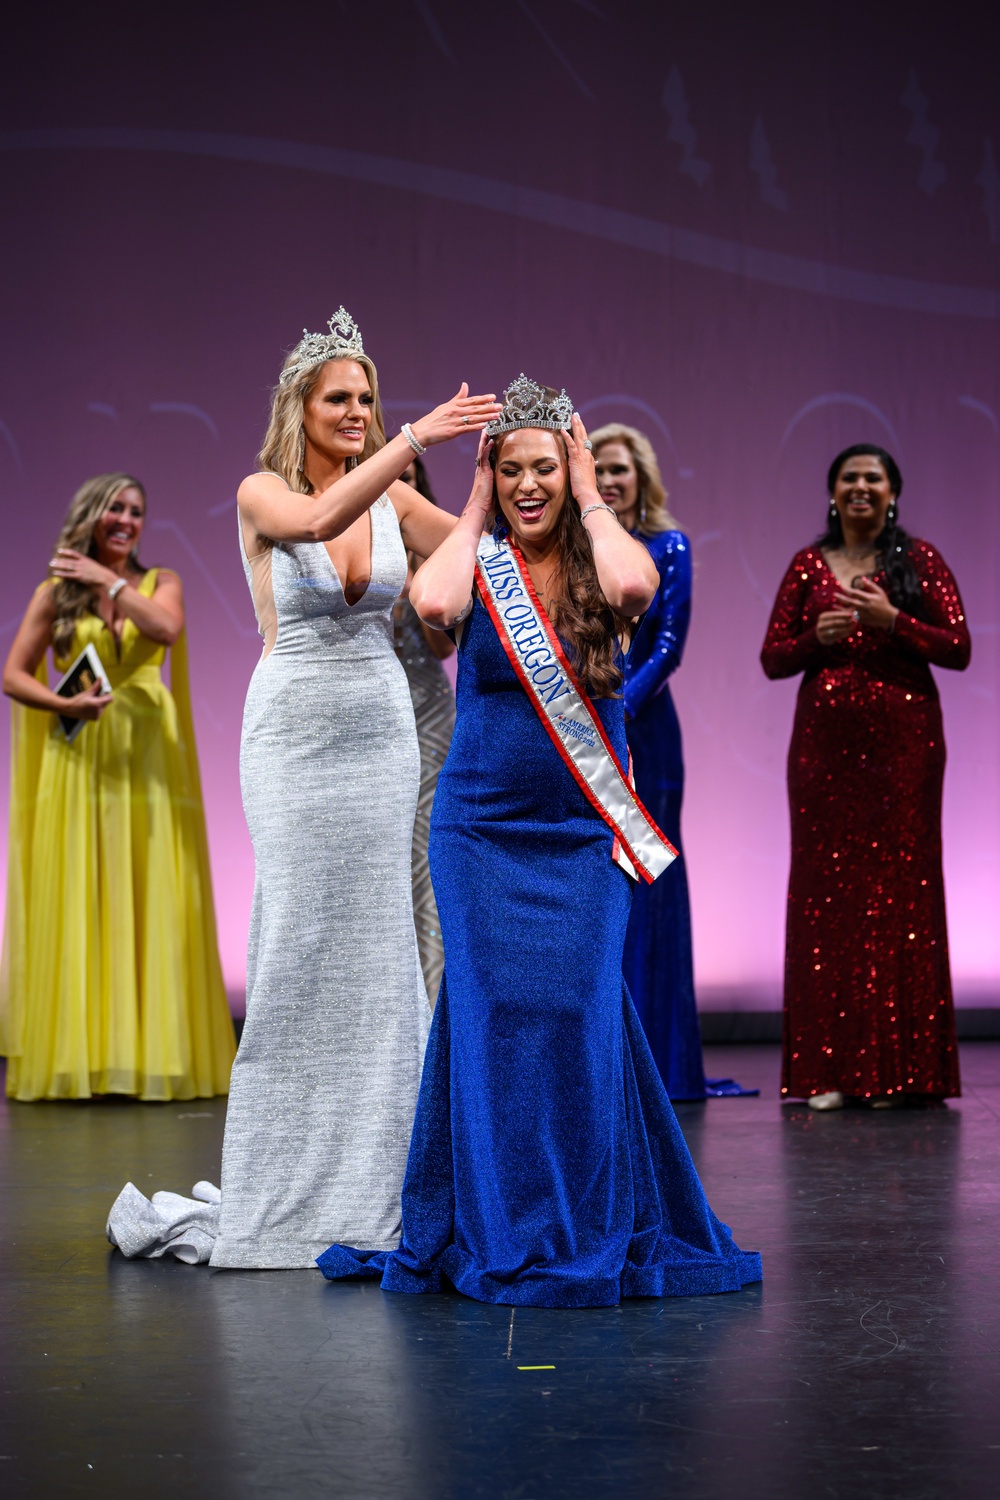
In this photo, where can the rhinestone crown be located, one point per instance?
(342, 342)
(525, 405)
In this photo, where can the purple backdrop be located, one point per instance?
(758, 238)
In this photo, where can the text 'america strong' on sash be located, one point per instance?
(566, 712)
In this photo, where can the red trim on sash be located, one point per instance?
(547, 724)
(556, 645)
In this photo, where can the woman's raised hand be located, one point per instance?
(582, 474)
(463, 413)
(70, 564)
(481, 497)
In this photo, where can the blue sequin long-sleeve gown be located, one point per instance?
(546, 1167)
(658, 962)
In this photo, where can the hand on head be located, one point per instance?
(481, 497)
(582, 473)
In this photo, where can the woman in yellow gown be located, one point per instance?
(110, 980)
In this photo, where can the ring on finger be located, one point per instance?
(466, 421)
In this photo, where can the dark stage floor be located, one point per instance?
(867, 1365)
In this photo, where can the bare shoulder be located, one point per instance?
(42, 605)
(167, 578)
(260, 487)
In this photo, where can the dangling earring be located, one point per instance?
(892, 514)
(499, 529)
(831, 514)
(642, 510)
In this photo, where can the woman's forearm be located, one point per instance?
(341, 503)
(627, 574)
(26, 689)
(152, 619)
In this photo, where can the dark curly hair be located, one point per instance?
(583, 617)
(892, 545)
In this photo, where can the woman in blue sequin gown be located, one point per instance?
(658, 964)
(546, 1167)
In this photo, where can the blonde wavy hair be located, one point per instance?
(73, 600)
(654, 512)
(283, 451)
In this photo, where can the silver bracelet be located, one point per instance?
(412, 439)
(597, 505)
(116, 588)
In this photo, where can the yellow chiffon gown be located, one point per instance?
(110, 980)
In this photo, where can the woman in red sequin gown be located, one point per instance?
(863, 615)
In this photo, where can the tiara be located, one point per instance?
(524, 405)
(342, 342)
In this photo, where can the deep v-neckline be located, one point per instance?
(108, 625)
(823, 560)
(371, 564)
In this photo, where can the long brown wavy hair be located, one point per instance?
(283, 450)
(583, 617)
(654, 511)
(74, 600)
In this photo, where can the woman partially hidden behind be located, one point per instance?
(325, 1081)
(421, 651)
(863, 614)
(659, 967)
(547, 1167)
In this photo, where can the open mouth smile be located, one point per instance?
(530, 510)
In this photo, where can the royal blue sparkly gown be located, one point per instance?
(658, 964)
(546, 1166)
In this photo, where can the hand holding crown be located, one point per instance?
(480, 501)
(582, 473)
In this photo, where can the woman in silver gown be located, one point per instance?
(421, 650)
(325, 1082)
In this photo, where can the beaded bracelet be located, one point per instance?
(412, 439)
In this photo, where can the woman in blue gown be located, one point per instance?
(658, 963)
(546, 1166)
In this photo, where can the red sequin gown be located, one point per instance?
(868, 1003)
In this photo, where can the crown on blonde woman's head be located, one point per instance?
(526, 405)
(342, 342)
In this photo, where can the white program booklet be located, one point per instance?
(85, 671)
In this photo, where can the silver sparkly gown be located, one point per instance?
(325, 1082)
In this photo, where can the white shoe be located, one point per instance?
(833, 1100)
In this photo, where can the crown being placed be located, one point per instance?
(342, 342)
(525, 405)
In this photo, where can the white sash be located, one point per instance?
(536, 654)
